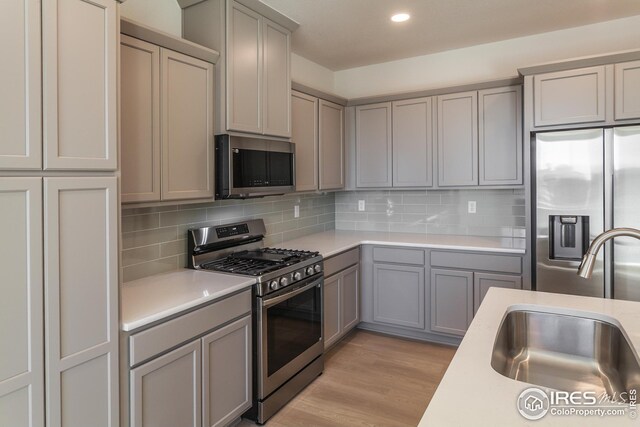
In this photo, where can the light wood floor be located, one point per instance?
(369, 380)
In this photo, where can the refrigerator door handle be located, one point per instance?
(608, 210)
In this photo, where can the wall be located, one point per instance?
(500, 213)
(154, 239)
(488, 61)
(163, 15)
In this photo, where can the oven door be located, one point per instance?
(289, 333)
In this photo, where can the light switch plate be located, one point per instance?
(360, 205)
(296, 211)
(472, 206)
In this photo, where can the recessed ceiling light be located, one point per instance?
(400, 17)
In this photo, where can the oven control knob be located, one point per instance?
(284, 282)
(297, 275)
(317, 268)
(309, 271)
(273, 285)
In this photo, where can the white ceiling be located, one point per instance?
(341, 34)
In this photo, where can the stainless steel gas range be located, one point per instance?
(287, 310)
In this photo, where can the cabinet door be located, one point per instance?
(398, 295)
(350, 299)
(331, 310)
(81, 302)
(140, 120)
(451, 301)
(21, 325)
(244, 69)
(458, 139)
(483, 281)
(500, 136)
(20, 86)
(166, 392)
(373, 145)
(331, 136)
(226, 373)
(573, 96)
(79, 84)
(187, 127)
(412, 143)
(627, 90)
(304, 133)
(276, 86)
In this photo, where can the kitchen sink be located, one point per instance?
(565, 352)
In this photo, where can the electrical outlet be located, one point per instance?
(360, 205)
(296, 211)
(472, 206)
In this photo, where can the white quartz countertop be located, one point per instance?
(333, 242)
(473, 394)
(147, 300)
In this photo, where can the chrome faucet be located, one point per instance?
(589, 258)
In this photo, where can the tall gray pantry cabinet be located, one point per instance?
(59, 214)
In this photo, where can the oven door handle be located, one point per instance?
(276, 300)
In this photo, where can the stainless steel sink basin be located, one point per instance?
(565, 353)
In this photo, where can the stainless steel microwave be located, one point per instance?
(253, 167)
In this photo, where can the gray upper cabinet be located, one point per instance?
(166, 392)
(79, 61)
(140, 120)
(244, 69)
(186, 126)
(413, 143)
(500, 136)
(226, 373)
(373, 145)
(451, 301)
(304, 133)
(627, 91)
(569, 97)
(398, 295)
(458, 139)
(20, 103)
(21, 333)
(331, 145)
(276, 87)
(81, 304)
(166, 123)
(253, 87)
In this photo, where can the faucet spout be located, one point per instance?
(589, 259)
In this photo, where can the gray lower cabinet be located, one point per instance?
(166, 392)
(331, 309)
(627, 91)
(451, 301)
(483, 281)
(341, 302)
(226, 373)
(398, 295)
(569, 97)
(206, 377)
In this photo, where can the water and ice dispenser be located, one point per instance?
(568, 236)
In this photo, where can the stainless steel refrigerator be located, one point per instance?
(586, 182)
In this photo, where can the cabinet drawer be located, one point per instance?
(148, 343)
(483, 262)
(400, 256)
(341, 261)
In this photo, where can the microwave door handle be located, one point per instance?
(276, 300)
